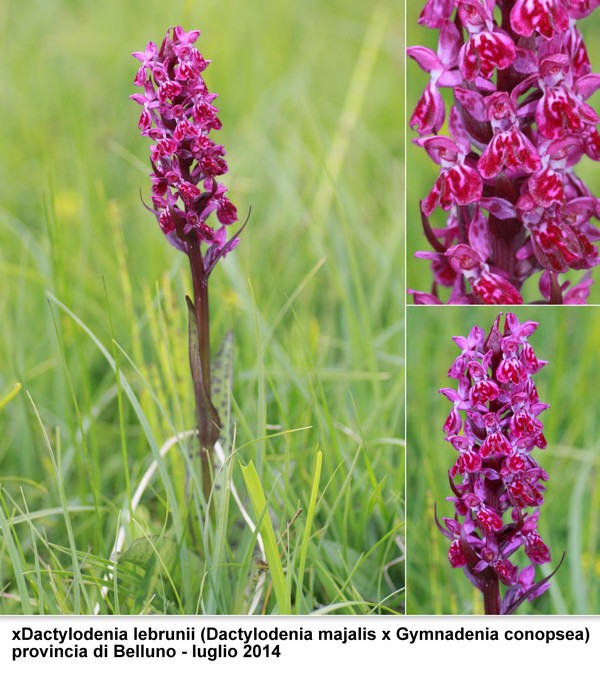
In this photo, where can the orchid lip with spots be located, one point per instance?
(516, 211)
(497, 485)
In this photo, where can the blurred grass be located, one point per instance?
(423, 172)
(568, 338)
(314, 295)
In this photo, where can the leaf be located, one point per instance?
(143, 550)
(222, 386)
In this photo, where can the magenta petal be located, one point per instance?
(559, 111)
(458, 131)
(536, 550)
(424, 298)
(547, 17)
(426, 58)
(484, 53)
(463, 258)
(436, 12)
(510, 150)
(579, 293)
(449, 44)
(525, 61)
(493, 289)
(432, 199)
(450, 78)
(439, 148)
(180, 35)
(429, 113)
(556, 247)
(489, 520)
(479, 235)
(455, 555)
(546, 188)
(575, 46)
(464, 186)
(587, 85)
(492, 160)
(473, 102)
(578, 9)
(500, 208)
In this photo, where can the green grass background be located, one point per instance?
(310, 99)
(423, 172)
(568, 338)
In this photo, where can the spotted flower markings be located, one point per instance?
(518, 125)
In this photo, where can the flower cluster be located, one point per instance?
(519, 123)
(178, 115)
(497, 484)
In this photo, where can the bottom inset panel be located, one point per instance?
(512, 482)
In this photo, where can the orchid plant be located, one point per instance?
(497, 485)
(178, 115)
(518, 125)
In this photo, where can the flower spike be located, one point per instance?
(178, 116)
(497, 485)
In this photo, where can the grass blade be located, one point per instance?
(259, 505)
(15, 558)
(310, 515)
(13, 393)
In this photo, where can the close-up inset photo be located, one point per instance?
(502, 461)
(503, 145)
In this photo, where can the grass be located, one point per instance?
(94, 376)
(423, 172)
(567, 337)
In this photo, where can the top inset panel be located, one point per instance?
(503, 122)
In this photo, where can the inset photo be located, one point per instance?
(503, 454)
(502, 141)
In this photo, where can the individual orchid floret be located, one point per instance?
(487, 47)
(560, 110)
(489, 287)
(497, 484)
(519, 124)
(509, 148)
(458, 183)
(429, 113)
